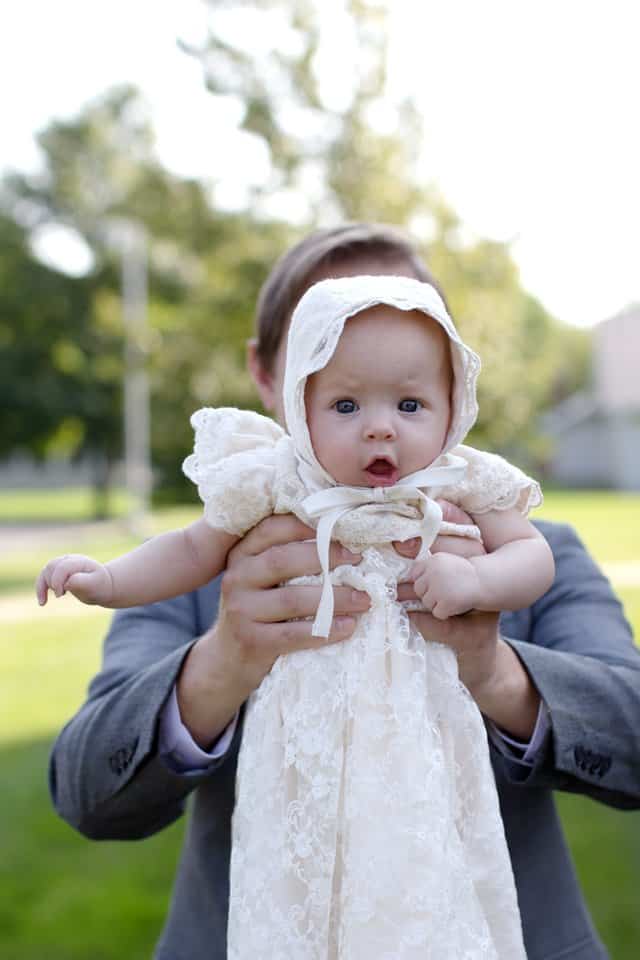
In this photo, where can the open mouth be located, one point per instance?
(381, 472)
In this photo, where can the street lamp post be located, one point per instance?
(133, 248)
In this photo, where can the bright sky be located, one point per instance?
(528, 110)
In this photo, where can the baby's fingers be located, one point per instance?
(421, 585)
(57, 573)
(42, 587)
(45, 580)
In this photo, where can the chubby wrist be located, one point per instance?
(477, 589)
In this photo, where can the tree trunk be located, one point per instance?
(102, 476)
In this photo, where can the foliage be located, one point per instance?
(529, 360)
(329, 150)
(205, 269)
(42, 319)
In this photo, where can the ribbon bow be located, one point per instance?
(327, 506)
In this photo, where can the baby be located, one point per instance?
(366, 821)
(377, 412)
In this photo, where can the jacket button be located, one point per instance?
(117, 761)
(605, 763)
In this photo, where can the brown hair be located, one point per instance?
(312, 259)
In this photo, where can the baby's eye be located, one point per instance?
(409, 405)
(345, 406)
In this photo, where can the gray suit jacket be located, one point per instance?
(108, 781)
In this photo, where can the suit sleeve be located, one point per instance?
(106, 776)
(580, 654)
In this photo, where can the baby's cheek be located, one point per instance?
(323, 441)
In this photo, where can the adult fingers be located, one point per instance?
(461, 546)
(284, 561)
(281, 638)
(297, 602)
(408, 548)
(273, 530)
(432, 628)
(471, 630)
(406, 591)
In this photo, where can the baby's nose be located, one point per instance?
(380, 428)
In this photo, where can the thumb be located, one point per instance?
(87, 586)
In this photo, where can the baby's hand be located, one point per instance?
(446, 584)
(85, 578)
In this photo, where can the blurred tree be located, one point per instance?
(529, 359)
(55, 400)
(205, 272)
(357, 155)
(311, 81)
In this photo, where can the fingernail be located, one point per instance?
(347, 622)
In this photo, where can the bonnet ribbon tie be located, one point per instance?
(327, 506)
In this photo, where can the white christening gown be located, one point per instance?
(366, 823)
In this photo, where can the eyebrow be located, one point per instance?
(349, 384)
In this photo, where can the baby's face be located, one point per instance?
(381, 407)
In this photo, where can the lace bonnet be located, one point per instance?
(316, 326)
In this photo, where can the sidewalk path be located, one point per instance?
(623, 574)
(24, 606)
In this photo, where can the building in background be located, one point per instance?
(596, 434)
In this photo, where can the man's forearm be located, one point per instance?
(508, 697)
(210, 689)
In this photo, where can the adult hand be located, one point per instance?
(260, 619)
(461, 546)
(490, 670)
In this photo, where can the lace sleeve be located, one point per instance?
(492, 483)
(233, 466)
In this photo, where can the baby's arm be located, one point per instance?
(517, 569)
(163, 567)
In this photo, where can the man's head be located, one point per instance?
(347, 250)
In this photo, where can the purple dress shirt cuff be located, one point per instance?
(516, 749)
(177, 747)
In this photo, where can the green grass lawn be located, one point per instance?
(63, 897)
(68, 504)
(68, 899)
(609, 523)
